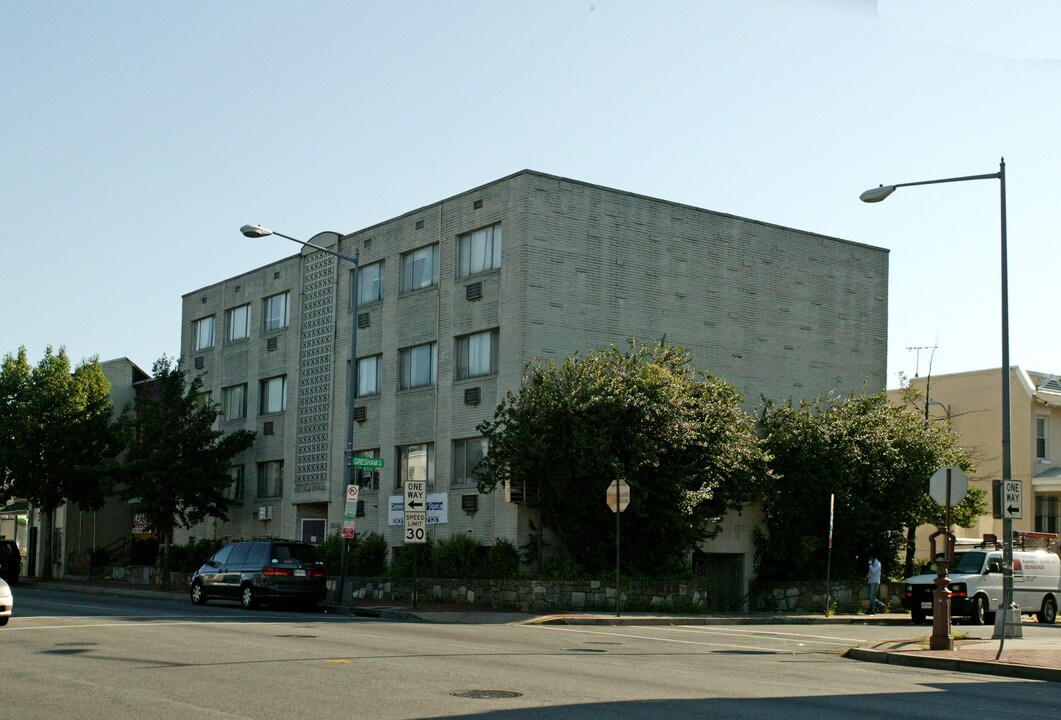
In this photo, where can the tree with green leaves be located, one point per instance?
(58, 442)
(875, 457)
(177, 467)
(678, 437)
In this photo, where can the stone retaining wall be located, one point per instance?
(811, 597)
(538, 595)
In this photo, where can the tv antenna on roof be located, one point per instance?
(917, 360)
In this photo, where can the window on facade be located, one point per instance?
(1040, 438)
(204, 398)
(369, 283)
(274, 395)
(466, 455)
(235, 489)
(367, 478)
(369, 374)
(203, 333)
(420, 268)
(238, 323)
(276, 311)
(417, 366)
(234, 401)
(1046, 514)
(477, 355)
(479, 251)
(415, 462)
(271, 479)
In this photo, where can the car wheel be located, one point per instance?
(247, 598)
(1049, 612)
(977, 611)
(918, 617)
(3, 621)
(198, 593)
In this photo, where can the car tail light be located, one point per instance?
(316, 573)
(278, 572)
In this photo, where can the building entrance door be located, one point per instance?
(313, 530)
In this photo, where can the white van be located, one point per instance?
(976, 585)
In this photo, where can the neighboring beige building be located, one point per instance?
(449, 314)
(972, 401)
(78, 532)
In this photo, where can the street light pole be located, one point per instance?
(880, 193)
(257, 231)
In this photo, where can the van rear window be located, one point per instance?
(298, 553)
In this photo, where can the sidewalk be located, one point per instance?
(1025, 658)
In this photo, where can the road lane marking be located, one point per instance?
(658, 639)
(779, 637)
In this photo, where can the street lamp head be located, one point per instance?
(877, 194)
(255, 231)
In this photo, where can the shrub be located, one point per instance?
(458, 556)
(403, 560)
(190, 557)
(368, 555)
(501, 561)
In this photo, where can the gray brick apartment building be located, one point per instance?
(456, 296)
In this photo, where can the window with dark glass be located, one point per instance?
(417, 366)
(415, 462)
(420, 268)
(477, 355)
(479, 251)
(466, 455)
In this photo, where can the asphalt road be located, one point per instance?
(67, 655)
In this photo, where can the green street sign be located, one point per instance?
(367, 462)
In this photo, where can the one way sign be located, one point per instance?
(415, 496)
(1012, 500)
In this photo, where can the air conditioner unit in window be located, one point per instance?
(474, 291)
(469, 503)
(363, 320)
(265, 512)
(360, 413)
(471, 396)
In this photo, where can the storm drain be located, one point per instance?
(75, 644)
(296, 636)
(487, 694)
(590, 650)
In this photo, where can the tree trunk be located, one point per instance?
(45, 540)
(164, 552)
(908, 566)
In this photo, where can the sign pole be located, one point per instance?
(618, 593)
(829, 561)
(617, 497)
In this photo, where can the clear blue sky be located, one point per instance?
(138, 137)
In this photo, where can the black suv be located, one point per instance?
(256, 571)
(10, 561)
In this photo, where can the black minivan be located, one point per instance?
(256, 571)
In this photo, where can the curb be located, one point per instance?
(981, 667)
(712, 620)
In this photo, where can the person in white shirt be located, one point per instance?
(873, 579)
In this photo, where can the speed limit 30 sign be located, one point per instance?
(415, 527)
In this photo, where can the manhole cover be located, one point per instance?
(487, 694)
(584, 650)
(296, 636)
(75, 644)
